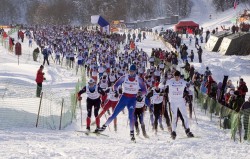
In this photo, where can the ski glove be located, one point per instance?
(116, 94)
(79, 97)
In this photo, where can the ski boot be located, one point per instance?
(132, 135)
(173, 135)
(189, 133)
(88, 128)
(102, 128)
(144, 131)
(97, 130)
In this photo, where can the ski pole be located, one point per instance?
(81, 111)
(170, 112)
(106, 120)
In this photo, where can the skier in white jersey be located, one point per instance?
(176, 89)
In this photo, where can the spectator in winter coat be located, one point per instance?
(129, 36)
(191, 56)
(187, 66)
(236, 101)
(144, 35)
(11, 44)
(196, 42)
(35, 54)
(200, 54)
(219, 90)
(134, 36)
(211, 86)
(139, 36)
(184, 55)
(191, 72)
(242, 89)
(45, 56)
(39, 80)
(21, 35)
(203, 88)
(207, 72)
(201, 39)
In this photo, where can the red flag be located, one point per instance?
(235, 3)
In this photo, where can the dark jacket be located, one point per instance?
(243, 88)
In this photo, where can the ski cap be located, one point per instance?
(91, 81)
(177, 73)
(132, 68)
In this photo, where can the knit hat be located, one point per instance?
(132, 68)
(177, 73)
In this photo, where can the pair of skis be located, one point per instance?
(91, 132)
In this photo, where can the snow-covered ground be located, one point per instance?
(211, 142)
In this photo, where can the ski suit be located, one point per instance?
(111, 101)
(176, 89)
(130, 89)
(93, 99)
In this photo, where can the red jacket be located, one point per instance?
(39, 76)
(242, 88)
(209, 83)
(21, 34)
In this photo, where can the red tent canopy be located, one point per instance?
(185, 25)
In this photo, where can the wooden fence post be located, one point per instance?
(60, 126)
(38, 114)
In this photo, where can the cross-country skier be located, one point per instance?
(176, 89)
(188, 96)
(131, 83)
(111, 102)
(93, 92)
(157, 95)
(141, 103)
